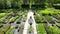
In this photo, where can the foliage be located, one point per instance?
(53, 30)
(2, 15)
(41, 29)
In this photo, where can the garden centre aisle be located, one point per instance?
(27, 25)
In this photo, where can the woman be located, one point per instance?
(30, 21)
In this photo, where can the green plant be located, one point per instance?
(10, 31)
(41, 29)
(53, 30)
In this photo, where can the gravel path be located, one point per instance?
(27, 25)
(16, 31)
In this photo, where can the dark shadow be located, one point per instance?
(56, 7)
(38, 6)
(18, 22)
(11, 22)
(25, 6)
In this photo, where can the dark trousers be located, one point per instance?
(30, 23)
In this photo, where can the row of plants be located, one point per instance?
(10, 31)
(38, 18)
(46, 14)
(7, 29)
(12, 16)
(22, 15)
(49, 11)
(4, 29)
(2, 15)
(13, 19)
(58, 25)
(41, 29)
(49, 19)
(52, 29)
(6, 18)
(9, 18)
(56, 16)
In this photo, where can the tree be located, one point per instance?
(2, 4)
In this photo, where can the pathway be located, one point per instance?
(27, 25)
